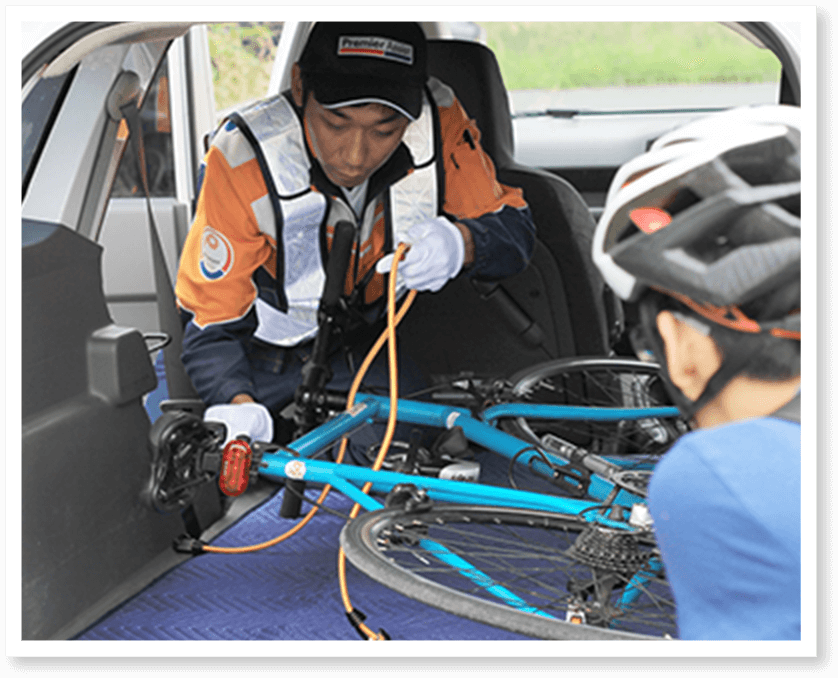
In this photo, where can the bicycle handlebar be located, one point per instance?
(309, 398)
(337, 266)
(317, 373)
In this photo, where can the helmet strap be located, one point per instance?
(732, 365)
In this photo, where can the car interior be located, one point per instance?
(89, 543)
(554, 308)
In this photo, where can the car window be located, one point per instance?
(155, 117)
(242, 56)
(585, 97)
(578, 68)
(37, 113)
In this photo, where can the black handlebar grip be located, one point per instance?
(336, 267)
(337, 264)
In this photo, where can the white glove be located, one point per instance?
(436, 255)
(246, 419)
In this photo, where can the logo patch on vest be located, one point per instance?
(216, 254)
(379, 48)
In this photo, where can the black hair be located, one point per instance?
(307, 89)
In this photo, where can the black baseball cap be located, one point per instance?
(371, 62)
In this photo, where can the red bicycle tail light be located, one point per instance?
(235, 468)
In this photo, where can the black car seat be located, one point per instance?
(556, 307)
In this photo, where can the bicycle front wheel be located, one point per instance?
(540, 574)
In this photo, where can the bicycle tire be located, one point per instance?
(387, 545)
(598, 382)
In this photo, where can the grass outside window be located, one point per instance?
(538, 55)
(569, 55)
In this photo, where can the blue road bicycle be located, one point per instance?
(577, 561)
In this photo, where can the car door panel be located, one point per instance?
(84, 456)
(85, 459)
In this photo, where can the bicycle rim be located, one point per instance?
(531, 573)
(599, 382)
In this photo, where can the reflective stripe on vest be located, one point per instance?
(276, 128)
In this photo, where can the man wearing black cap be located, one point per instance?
(363, 135)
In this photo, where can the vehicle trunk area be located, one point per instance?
(286, 592)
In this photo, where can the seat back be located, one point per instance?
(554, 308)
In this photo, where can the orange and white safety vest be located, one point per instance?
(265, 216)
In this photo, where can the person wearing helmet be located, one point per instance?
(702, 233)
(363, 135)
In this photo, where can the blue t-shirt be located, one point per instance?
(726, 506)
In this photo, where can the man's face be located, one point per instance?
(350, 142)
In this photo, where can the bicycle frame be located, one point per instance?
(371, 408)
(295, 464)
(348, 479)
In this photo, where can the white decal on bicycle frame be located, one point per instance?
(449, 421)
(357, 409)
(295, 469)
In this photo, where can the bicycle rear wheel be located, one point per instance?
(598, 382)
(526, 571)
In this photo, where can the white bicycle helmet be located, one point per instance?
(710, 215)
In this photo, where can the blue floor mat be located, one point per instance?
(287, 592)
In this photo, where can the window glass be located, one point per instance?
(621, 66)
(157, 140)
(242, 59)
(37, 112)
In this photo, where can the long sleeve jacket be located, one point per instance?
(252, 262)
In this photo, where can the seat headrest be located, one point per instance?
(472, 71)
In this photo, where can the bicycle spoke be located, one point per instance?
(534, 563)
(602, 382)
